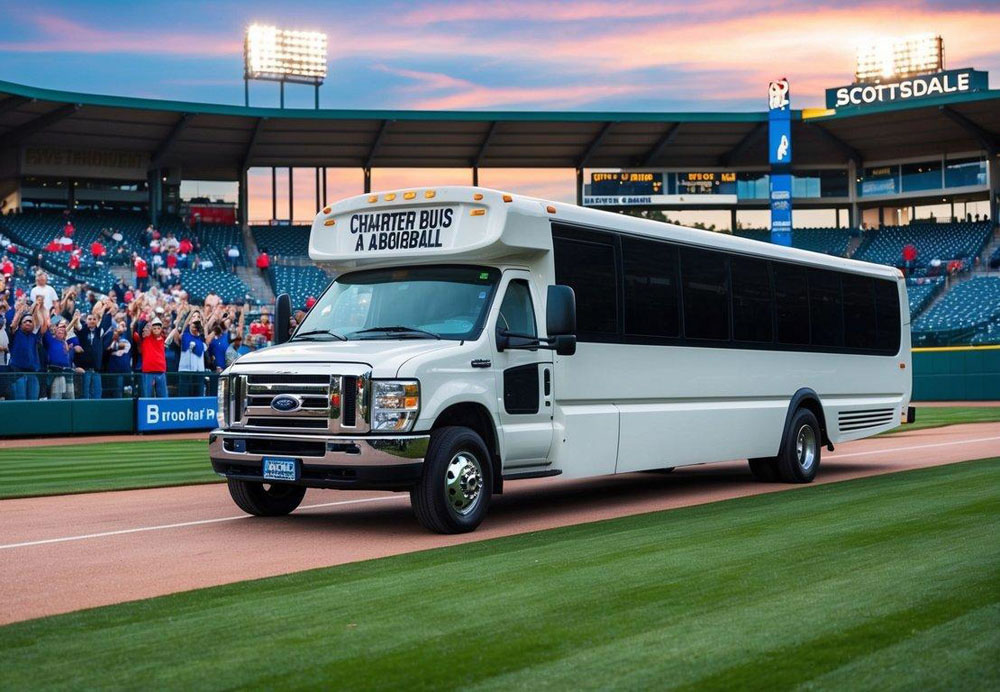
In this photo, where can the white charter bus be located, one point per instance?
(472, 338)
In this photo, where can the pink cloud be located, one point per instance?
(66, 36)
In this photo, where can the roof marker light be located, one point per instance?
(329, 222)
(373, 198)
(326, 210)
(478, 196)
(389, 197)
(477, 212)
(429, 194)
(508, 198)
(409, 195)
(550, 209)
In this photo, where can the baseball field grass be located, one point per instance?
(883, 582)
(83, 468)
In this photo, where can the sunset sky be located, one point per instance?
(711, 55)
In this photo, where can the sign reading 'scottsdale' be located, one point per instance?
(949, 82)
(400, 230)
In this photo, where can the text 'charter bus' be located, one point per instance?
(473, 338)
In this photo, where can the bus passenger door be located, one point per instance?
(524, 381)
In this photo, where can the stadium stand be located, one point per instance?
(283, 241)
(941, 241)
(994, 260)
(964, 311)
(921, 294)
(299, 282)
(829, 241)
(199, 283)
(216, 239)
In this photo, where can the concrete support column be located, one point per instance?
(318, 205)
(291, 196)
(993, 173)
(244, 199)
(837, 210)
(475, 176)
(368, 179)
(274, 193)
(324, 186)
(853, 217)
(579, 187)
(155, 195)
(732, 219)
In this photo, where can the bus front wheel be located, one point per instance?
(455, 488)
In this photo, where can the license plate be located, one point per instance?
(280, 469)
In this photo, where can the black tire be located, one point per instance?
(798, 460)
(456, 485)
(276, 500)
(764, 469)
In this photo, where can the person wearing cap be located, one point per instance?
(60, 352)
(154, 359)
(233, 352)
(28, 326)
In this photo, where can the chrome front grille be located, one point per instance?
(325, 403)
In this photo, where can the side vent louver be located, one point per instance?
(850, 421)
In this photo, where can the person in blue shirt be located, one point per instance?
(192, 361)
(60, 352)
(118, 357)
(24, 343)
(218, 342)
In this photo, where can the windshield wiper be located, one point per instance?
(317, 332)
(398, 328)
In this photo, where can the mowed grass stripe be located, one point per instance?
(827, 585)
(105, 466)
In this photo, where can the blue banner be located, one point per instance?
(781, 208)
(779, 148)
(182, 413)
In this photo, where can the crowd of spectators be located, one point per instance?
(80, 344)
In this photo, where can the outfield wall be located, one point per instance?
(956, 373)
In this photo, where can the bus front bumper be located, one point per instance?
(361, 463)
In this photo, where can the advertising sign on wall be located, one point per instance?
(949, 82)
(181, 413)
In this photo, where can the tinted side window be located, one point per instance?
(705, 281)
(751, 299)
(589, 269)
(791, 297)
(650, 288)
(859, 311)
(516, 312)
(826, 311)
(887, 316)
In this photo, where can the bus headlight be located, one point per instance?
(395, 405)
(222, 403)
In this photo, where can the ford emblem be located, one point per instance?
(286, 403)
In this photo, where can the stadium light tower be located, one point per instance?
(899, 58)
(282, 55)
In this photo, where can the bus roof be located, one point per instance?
(462, 223)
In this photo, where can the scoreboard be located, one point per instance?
(626, 183)
(659, 188)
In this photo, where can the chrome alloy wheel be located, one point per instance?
(805, 447)
(463, 482)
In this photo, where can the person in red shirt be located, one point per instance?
(263, 262)
(7, 267)
(310, 301)
(74, 260)
(263, 326)
(141, 273)
(171, 259)
(152, 348)
(97, 249)
(54, 246)
(185, 247)
(69, 229)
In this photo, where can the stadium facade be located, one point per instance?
(872, 162)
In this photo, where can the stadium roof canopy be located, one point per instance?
(214, 142)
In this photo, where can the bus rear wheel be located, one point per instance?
(799, 459)
(272, 500)
(455, 488)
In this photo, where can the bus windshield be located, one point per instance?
(436, 302)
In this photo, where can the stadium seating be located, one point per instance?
(299, 282)
(965, 309)
(199, 283)
(215, 240)
(282, 241)
(942, 241)
(830, 241)
(921, 294)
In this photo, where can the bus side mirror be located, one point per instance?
(564, 344)
(282, 318)
(560, 311)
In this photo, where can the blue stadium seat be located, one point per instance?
(282, 241)
(941, 241)
(921, 294)
(829, 241)
(965, 310)
(299, 282)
